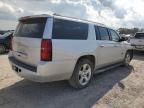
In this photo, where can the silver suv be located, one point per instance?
(138, 41)
(51, 48)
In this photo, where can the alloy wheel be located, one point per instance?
(85, 72)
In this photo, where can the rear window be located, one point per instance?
(64, 29)
(139, 35)
(31, 28)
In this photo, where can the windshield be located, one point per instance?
(139, 35)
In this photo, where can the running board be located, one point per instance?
(106, 68)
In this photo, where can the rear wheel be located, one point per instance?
(82, 74)
(2, 49)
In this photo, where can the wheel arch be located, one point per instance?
(131, 51)
(89, 57)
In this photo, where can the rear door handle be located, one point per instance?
(102, 46)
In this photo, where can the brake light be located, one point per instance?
(46, 50)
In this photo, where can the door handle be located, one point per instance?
(19, 55)
(102, 46)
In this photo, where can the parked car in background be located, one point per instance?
(52, 47)
(5, 41)
(138, 41)
(126, 37)
(2, 32)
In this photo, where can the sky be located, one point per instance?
(113, 13)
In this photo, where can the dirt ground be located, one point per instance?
(122, 87)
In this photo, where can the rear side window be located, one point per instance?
(31, 28)
(139, 35)
(64, 29)
(104, 35)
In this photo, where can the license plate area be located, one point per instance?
(16, 69)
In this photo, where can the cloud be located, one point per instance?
(9, 11)
(6, 11)
(115, 13)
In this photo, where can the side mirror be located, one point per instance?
(123, 39)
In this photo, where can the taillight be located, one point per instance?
(46, 50)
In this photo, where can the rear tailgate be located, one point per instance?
(27, 40)
(135, 41)
(138, 39)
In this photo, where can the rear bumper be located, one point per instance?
(23, 65)
(44, 71)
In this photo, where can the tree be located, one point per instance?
(129, 31)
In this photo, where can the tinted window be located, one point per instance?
(64, 29)
(96, 33)
(139, 35)
(114, 36)
(103, 33)
(32, 28)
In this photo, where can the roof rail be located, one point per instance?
(55, 14)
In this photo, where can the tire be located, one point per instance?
(127, 59)
(82, 74)
(2, 49)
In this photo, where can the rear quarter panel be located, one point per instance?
(73, 49)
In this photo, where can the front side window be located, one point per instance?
(104, 35)
(64, 29)
(115, 37)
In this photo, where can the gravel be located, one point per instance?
(122, 87)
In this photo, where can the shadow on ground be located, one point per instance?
(26, 94)
(139, 55)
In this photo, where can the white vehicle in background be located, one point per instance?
(50, 48)
(138, 41)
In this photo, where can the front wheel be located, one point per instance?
(127, 59)
(82, 74)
